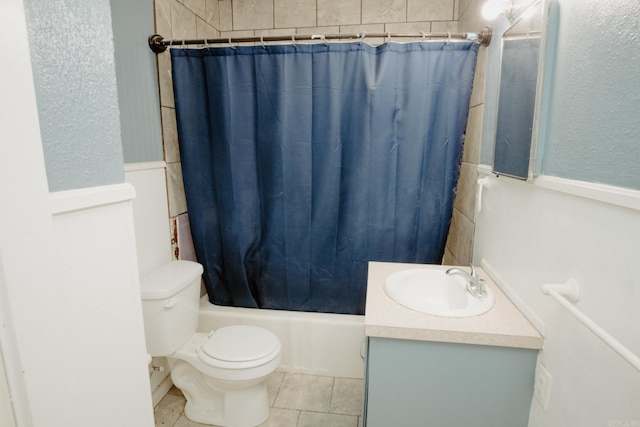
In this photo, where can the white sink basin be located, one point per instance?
(435, 292)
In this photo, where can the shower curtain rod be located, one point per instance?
(158, 44)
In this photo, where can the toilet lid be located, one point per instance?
(241, 343)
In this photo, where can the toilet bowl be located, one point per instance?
(221, 373)
(229, 390)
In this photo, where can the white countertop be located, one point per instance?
(504, 325)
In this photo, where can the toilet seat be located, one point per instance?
(239, 347)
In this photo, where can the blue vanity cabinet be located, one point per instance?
(432, 384)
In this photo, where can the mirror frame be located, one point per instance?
(548, 31)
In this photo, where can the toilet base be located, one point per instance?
(220, 402)
(235, 412)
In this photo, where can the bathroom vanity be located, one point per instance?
(424, 370)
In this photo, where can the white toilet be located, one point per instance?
(221, 373)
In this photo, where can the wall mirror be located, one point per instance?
(519, 95)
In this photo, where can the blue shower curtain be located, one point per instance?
(301, 163)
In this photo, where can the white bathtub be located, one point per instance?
(312, 343)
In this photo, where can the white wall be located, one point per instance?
(151, 217)
(529, 235)
(89, 311)
(555, 229)
(6, 407)
(71, 323)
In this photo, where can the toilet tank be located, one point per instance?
(170, 303)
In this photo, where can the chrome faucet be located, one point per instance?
(475, 285)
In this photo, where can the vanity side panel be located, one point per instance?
(418, 383)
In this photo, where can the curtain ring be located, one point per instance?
(320, 37)
(231, 45)
(424, 36)
(264, 46)
(293, 40)
(448, 37)
(362, 36)
(388, 36)
(183, 46)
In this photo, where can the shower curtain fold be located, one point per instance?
(302, 163)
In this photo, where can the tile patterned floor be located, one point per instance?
(296, 400)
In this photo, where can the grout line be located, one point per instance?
(333, 388)
(278, 390)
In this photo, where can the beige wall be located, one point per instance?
(214, 18)
(459, 249)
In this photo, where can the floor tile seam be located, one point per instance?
(275, 398)
(182, 414)
(327, 413)
(342, 413)
(333, 384)
(300, 409)
(331, 406)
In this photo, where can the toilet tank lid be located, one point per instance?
(169, 279)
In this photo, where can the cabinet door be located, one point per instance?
(427, 384)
